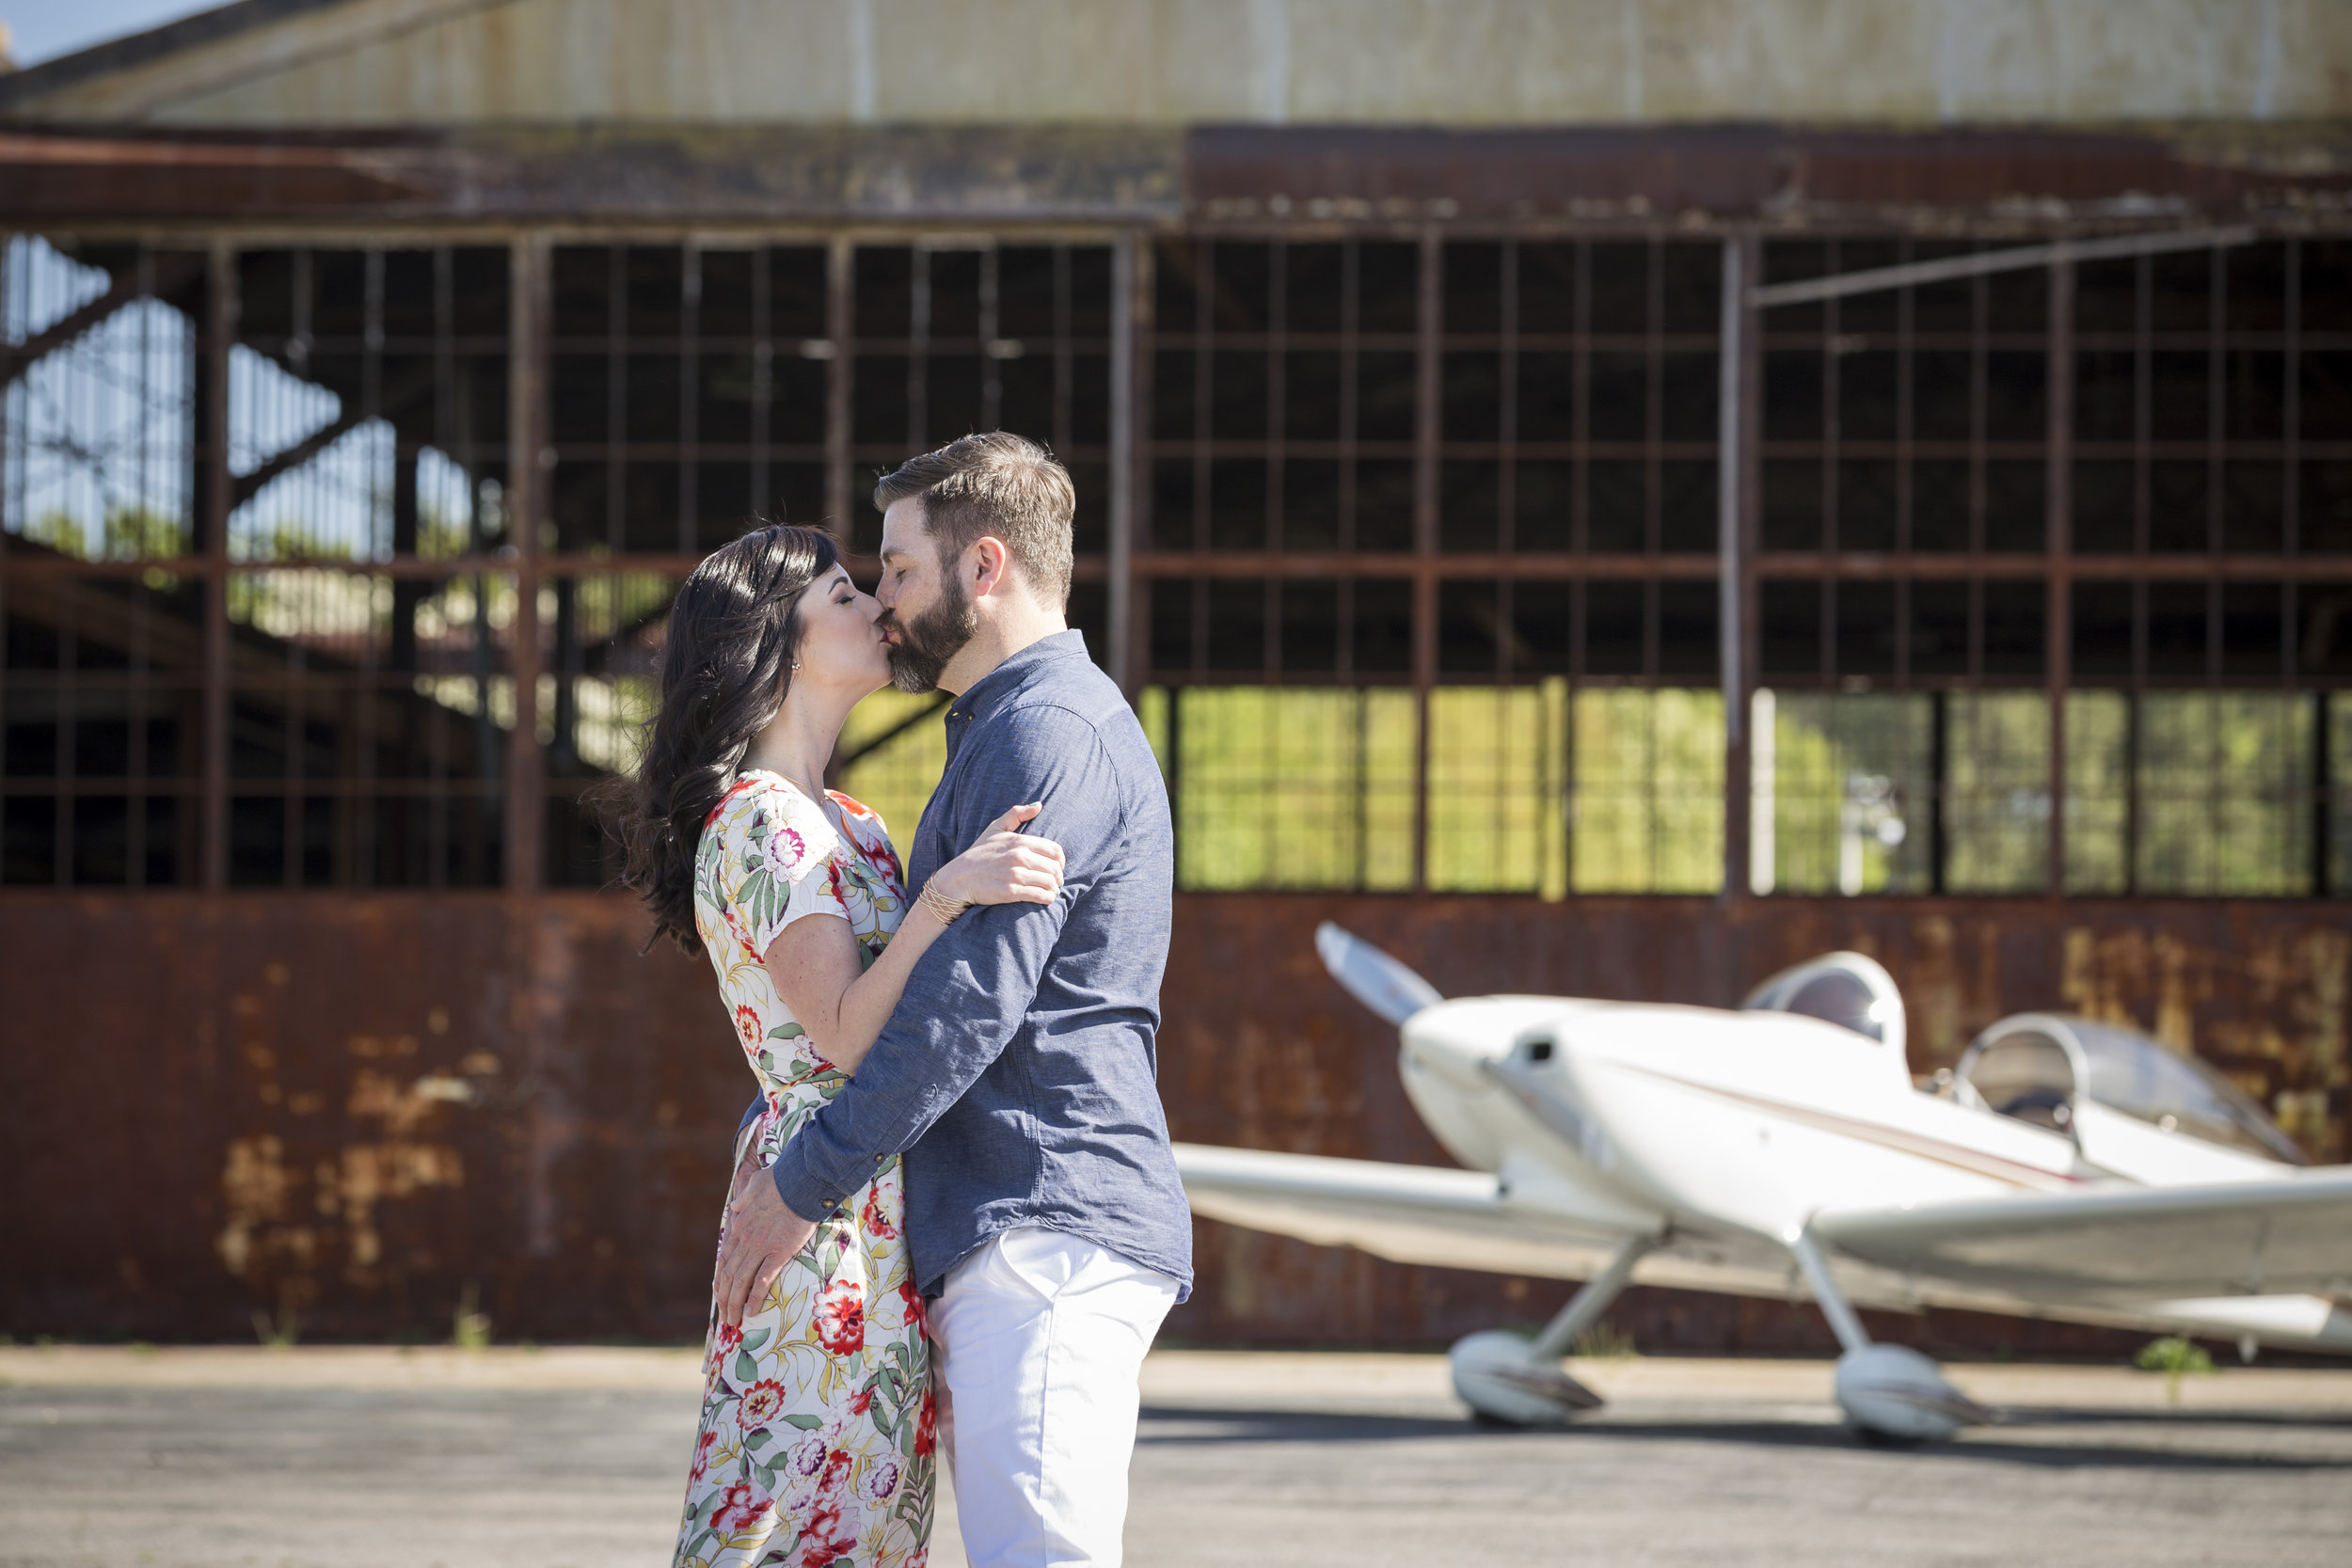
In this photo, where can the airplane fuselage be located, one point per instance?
(1723, 1133)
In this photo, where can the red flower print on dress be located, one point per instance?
(822, 1493)
(741, 934)
(719, 809)
(926, 1427)
(826, 1539)
(841, 1314)
(763, 1402)
(739, 1508)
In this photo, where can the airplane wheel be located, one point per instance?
(1495, 1375)
(1893, 1395)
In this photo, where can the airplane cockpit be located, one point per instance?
(2042, 1068)
(2055, 1071)
(1849, 990)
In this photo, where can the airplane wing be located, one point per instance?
(1407, 1214)
(2291, 1233)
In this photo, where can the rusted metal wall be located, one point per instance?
(351, 1108)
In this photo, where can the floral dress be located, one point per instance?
(817, 1434)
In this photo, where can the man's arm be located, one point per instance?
(969, 994)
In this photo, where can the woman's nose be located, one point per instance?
(871, 605)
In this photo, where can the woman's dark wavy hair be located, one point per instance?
(733, 628)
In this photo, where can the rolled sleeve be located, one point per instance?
(969, 994)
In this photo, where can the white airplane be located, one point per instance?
(2066, 1168)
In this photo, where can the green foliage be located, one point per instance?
(469, 1327)
(2175, 1357)
(279, 1331)
(123, 534)
(1605, 1341)
(1647, 792)
(2206, 791)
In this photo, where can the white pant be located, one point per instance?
(1038, 1339)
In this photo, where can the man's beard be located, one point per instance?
(926, 643)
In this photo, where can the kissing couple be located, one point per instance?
(954, 1223)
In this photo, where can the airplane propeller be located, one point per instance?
(1372, 977)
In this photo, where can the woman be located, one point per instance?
(817, 1419)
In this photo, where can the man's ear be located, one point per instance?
(990, 564)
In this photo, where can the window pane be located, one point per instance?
(1648, 776)
(1498, 795)
(2223, 786)
(1288, 788)
(97, 460)
(1850, 792)
(897, 744)
(1996, 800)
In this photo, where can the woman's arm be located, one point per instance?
(814, 963)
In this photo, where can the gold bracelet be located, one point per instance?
(943, 908)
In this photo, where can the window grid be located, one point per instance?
(268, 622)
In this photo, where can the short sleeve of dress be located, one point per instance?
(780, 852)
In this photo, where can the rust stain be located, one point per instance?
(254, 1186)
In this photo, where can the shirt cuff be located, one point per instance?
(802, 1193)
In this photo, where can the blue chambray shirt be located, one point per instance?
(1019, 1075)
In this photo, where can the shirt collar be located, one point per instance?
(990, 691)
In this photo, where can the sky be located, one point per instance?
(43, 29)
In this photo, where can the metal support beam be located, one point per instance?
(1131, 315)
(1730, 538)
(159, 279)
(2058, 508)
(1912, 274)
(1427, 432)
(213, 503)
(840, 322)
(1585, 1307)
(529, 459)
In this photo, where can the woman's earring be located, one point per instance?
(796, 666)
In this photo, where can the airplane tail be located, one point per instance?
(1372, 977)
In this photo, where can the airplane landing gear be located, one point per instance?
(1519, 1382)
(1501, 1376)
(1892, 1391)
(1888, 1392)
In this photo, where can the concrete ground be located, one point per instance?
(572, 1458)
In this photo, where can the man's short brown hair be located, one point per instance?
(995, 484)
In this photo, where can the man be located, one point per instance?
(1019, 1073)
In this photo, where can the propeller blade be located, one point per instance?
(1372, 977)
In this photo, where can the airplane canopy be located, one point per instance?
(2034, 1066)
(1849, 990)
